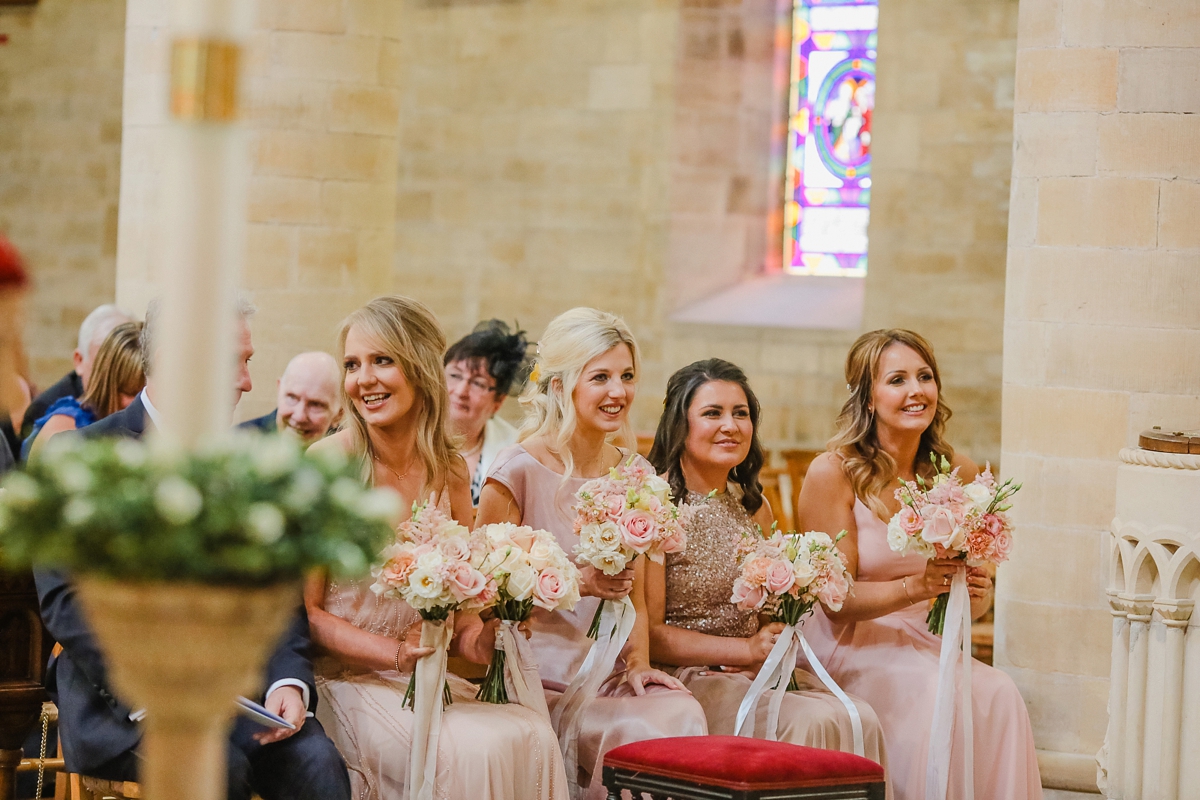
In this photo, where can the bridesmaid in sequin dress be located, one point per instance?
(707, 442)
(367, 645)
(579, 396)
(879, 645)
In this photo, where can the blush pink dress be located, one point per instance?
(560, 639)
(892, 663)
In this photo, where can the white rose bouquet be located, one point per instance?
(623, 515)
(943, 518)
(529, 569)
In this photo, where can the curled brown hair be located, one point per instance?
(116, 371)
(865, 463)
(406, 331)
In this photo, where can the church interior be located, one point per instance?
(760, 181)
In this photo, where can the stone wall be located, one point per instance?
(1102, 327)
(60, 143)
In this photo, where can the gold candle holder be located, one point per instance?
(204, 79)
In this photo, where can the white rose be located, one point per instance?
(897, 539)
(978, 494)
(600, 537)
(803, 571)
(266, 522)
(425, 583)
(543, 554)
(659, 488)
(177, 500)
(610, 563)
(521, 582)
(430, 560)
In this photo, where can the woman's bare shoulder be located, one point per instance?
(826, 469)
(340, 441)
(967, 469)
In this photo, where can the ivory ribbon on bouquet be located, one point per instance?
(956, 638)
(616, 623)
(520, 668)
(776, 673)
(430, 678)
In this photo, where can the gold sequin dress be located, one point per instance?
(699, 582)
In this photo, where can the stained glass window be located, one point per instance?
(831, 103)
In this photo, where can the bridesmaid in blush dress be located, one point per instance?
(878, 646)
(368, 645)
(707, 448)
(578, 398)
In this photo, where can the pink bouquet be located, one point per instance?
(943, 518)
(785, 575)
(623, 515)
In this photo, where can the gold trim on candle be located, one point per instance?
(204, 78)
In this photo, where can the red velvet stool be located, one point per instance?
(738, 768)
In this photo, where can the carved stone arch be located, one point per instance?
(1149, 562)
(1182, 581)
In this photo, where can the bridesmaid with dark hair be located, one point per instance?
(707, 447)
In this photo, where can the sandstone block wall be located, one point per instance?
(1101, 328)
(60, 145)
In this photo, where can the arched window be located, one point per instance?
(827, 192)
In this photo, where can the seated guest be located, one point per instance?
(396, 411)
(309, 402)
(116, 378)
(92, 333)
(482, 369)
(707, 447)
(100, 739)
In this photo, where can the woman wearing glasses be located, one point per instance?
(482, 369)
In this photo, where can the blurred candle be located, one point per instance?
(204, 189)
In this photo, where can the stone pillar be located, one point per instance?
(321, 100)
(1102, 333)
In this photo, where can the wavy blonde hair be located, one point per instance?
(406, 331)
(571, 341)
(116, 371)
(865, 463)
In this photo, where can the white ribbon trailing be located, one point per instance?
(956, 639)
(616, 623)
(775, 674)
(520, 668)
(430, 678)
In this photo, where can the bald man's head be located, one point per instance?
(309, 396)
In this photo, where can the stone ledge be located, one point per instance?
(1074, 772)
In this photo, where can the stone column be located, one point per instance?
(1102, 330)
(321, 101)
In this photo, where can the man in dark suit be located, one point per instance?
(99, 732)
(92, 332)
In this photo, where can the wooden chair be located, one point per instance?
(100, 789)
(797, 463)
(772, 491)
(738, 768)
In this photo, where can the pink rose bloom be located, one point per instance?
(399, 567)
(993, 524)
(523, 537)
(614, 506)
(549, 589)
(465, 582)
(488, 595)
(455, 549)
(1003, 545)
(910, 520)
(780, 577)
(940, 525)
(653, 504)
(755, 570)
(747, 597)
(638, 530)
(675, 541)
(834, 590)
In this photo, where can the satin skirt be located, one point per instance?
(811, 716)
(485, 751)
(892, 663)
(617, 716)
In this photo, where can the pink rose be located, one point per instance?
(675, 541)
(834, 590)
(940, 525)
(910, 520)
(455, 549)
(780, 577)
(399, 567)
(747, 597)
(614, 506)
(488, 595)
(993, 524)
(638, 530)
(755, 570)
(549, 589)
(1003, 546)
(465, 582)
(523, 537)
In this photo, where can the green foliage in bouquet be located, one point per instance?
(244, 510)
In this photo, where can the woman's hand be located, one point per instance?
(594, 583)
(939, 574)
(478, 648)
(410, 649)
(762, 642)
(640, 677)
(979, 587)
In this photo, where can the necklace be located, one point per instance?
(399, 477)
